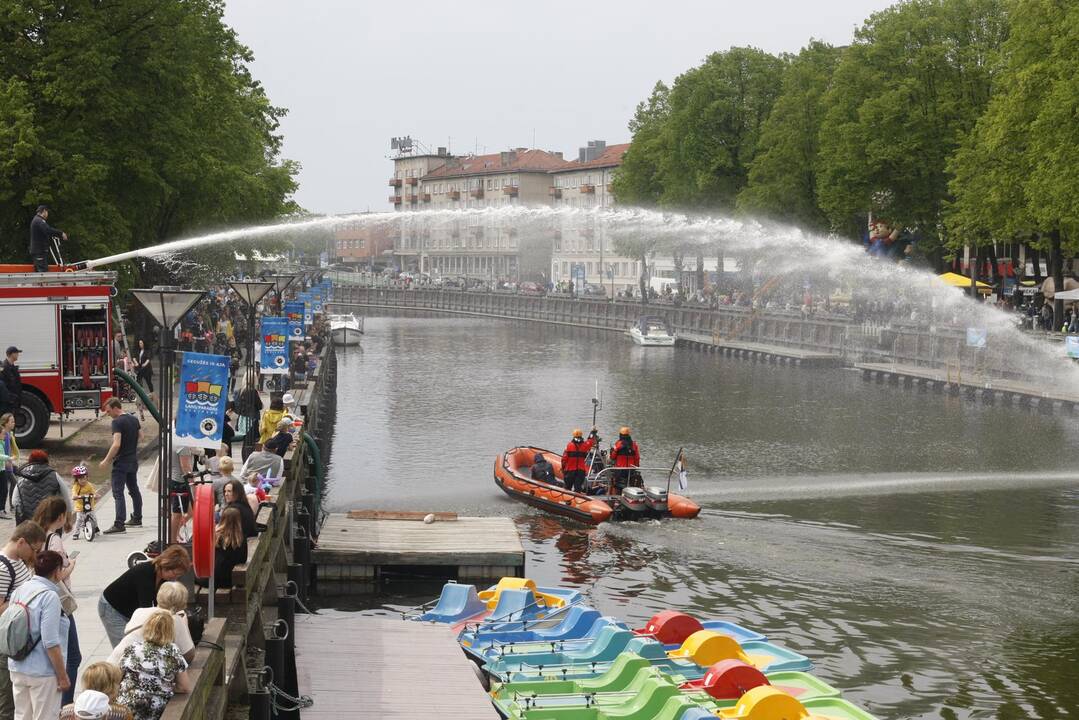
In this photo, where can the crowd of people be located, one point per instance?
(143, 611)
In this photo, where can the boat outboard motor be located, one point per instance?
(656, 499)
(633, 500)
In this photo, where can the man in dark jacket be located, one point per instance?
(542, 470)
(37, 480)
(11, 396)
(41, 235)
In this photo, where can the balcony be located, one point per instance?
(476, 193)
(413, 199)
(425, 197)
(510, 190)
(395, 199)
(412, 181)
(588, 189)
(555, 192)
(395, 182)
(453, 194)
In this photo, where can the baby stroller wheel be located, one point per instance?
(137, 558)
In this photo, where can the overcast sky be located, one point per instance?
(486, 76)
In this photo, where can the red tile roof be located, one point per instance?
(610, 157)
(525, 161)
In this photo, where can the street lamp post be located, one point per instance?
(250, 293)
(167, 306)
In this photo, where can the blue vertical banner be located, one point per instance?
(316, 299)
(200, 414)
(308, 308)
(274, 332)
(294, 314)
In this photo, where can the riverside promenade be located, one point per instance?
(103, 560)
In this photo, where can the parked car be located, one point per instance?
(594, 290)
(530, 288)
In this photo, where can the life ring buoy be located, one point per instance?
(202, 535)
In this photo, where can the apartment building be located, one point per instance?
(582, 247)
(364, 245)
(475, 246)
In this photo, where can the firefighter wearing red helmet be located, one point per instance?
(574, 460)
(626, 455)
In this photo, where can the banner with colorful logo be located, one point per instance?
(274, 336)
(316, 299)
(200, 415)
(294, 315)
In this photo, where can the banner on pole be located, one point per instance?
(275, 333)
(200, 415)
(294, 314)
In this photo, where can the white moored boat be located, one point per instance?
(651, 331)
(346, 329)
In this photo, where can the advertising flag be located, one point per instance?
(200, 415)
(294, 314)
(274, 337)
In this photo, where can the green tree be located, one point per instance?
(637, 180)
(1016, 174)
(136, 120)
(904, 95)
(710, 137)
(782, 182)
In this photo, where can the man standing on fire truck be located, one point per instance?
(41, 235)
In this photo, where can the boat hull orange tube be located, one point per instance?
(513, 473)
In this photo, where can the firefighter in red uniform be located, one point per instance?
(574, 460)
(627, 455)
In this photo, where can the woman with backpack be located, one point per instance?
(54, 519)
(36, 627)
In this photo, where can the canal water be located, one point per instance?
(920, 549)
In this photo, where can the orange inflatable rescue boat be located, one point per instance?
(513, 473)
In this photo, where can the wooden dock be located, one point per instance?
(371, 667)
(354, 552)
(761, 352)
(974, 386)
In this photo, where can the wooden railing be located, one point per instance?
(237, 632)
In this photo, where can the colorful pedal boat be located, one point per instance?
(578, 626)
(769, 703)
(459, 603)
(607, 647)
(760, 703)
(700, 651)
(605, 643)
(722, 686)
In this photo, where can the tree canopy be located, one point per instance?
(136, 121)
(824, 138)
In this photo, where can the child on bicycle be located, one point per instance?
(83, 496)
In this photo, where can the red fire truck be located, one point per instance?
(62, 321)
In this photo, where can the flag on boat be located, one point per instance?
(683, 476)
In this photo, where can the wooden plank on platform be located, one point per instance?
(370, 666)
(466, 541)
(399, 515)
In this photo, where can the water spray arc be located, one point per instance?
(784, 257)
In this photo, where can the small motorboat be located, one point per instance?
(652, 331)
(346, 329)
(609, 501)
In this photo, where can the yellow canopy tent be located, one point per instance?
(962, 281)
